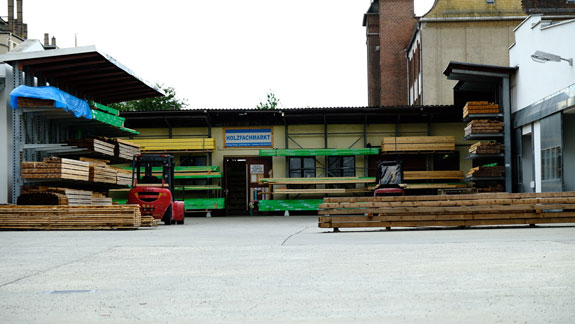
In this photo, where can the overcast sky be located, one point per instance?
(224, 53)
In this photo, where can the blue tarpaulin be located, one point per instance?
(78, 107)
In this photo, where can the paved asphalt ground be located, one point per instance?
(285, 269)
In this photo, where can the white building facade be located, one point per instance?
(543, 105)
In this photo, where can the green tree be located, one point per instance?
(271, 102)
(167, 102)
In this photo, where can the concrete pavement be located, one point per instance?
(285, 269)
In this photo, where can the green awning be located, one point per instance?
(319, 152)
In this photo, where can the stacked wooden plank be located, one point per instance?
(40, 195)
(69, 217)
(123, 177)
(100, 171)
(175, 144)
(486, 172)
(25, 102)
(99, 199)
(56, 168)
(95, 146)
(483, 126)
(432, 175)
(418, 143)
(122, 149)
(448, 210)
(480, 107)
(149, 221)
(487, 148)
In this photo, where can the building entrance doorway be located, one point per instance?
(241, 182)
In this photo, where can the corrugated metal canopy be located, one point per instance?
(84, 72)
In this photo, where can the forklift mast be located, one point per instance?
(146, 163)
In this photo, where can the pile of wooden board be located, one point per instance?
(480, 107)
(26, 102)
(56, 168)
(486, 172)
(124, 177)
(432, 175)
(94, 146)
(100, 171)
(448, 210)
(122, 149)
(483, 126)
(418, 143)
(175, 144)
(69, 217)
(99, 199)
(487, 148)
(42, 195)
(149, 221)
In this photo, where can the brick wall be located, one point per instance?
(373, 67)
(397, 22)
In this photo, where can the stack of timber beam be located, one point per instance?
(26, 102)
(418, 143)
(100, 171)
(99, 199)
(486, 171)
(42, 195)
(432, 175)
(123, 177)
(175, 144)
(480, 107)
(487, 148)
(122, 149)
(149, 221)
(483, 126)
(56, 168)
(448, 210)
(69, 217)
(95, 146)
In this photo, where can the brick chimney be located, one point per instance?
(11, 24)
(371, 24)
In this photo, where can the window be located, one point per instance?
(341, 166)
(301, 167)
(551, 163)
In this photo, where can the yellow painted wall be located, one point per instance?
(477, 8)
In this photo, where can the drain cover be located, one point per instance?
(63, 292)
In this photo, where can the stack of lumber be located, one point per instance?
(42, 195)
(95, 146)
(432, 175)
(418, 143)
(123, 177)
(191, 172)
(487, 148)
(122, 149)
(99, 199)
(69, 217)
(486, 172)
(174, 144)
(483, 126)
(494, 188)
(480, 107)
(56, 168)
(448, 210)
(319, 181)
(100, 171)
(149, 221)
(34, 102)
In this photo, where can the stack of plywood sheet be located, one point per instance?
(56, 168)
(95, 146)
(487, 148)
(448, 210)
(40, 196)
(480, 107)
(483, 126)
(69, 217)
(418, 143)
(486, 171)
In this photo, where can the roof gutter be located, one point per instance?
(453, 19)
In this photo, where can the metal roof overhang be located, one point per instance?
(254, 117)
(83, 72)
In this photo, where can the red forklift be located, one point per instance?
(155, 194)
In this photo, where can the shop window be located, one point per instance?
(301, 167)
(341, 166)
(551, 163)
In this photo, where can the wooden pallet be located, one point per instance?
(69, 217)
(418, 143)
(448, 210)
(55, 168)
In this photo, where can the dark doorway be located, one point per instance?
(241, 183)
